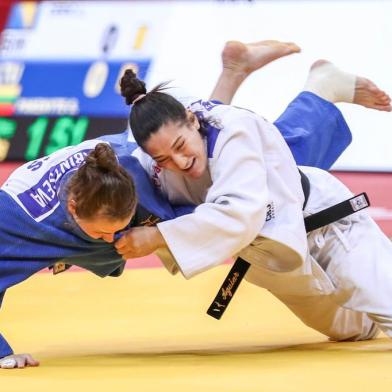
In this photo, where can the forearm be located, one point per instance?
(210, 236)
(5, 348)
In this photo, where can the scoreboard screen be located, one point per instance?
(30, 137)
(60, 67)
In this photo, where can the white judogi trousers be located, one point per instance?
(344, 288)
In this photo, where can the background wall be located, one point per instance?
(65, 58)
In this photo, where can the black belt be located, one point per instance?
(305, 187)
(312, 222)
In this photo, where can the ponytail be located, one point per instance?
(151, 109)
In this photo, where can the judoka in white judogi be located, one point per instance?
(336, 280)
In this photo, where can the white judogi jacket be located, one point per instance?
(252, 188)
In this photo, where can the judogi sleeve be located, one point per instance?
(235, 206)
(5, 348)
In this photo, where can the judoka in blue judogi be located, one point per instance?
(37, 232)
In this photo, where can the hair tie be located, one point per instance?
(138, 98)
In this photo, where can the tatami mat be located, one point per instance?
(148, 331)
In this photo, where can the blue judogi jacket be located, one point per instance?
(36, 230)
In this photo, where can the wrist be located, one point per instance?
(159, 241)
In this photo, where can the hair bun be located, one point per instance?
(131, 86)
(102, 157)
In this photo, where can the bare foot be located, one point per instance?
(369, 95)
(334, 85)
(239, 60)
(246, 58)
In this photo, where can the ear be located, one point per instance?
(71, 205)
(192, 119)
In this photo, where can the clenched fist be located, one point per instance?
(139, 242)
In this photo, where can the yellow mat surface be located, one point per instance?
(148, 331)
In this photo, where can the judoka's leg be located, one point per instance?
(315, 130)
(313, 126)
(353, 253)
(319, 310)
(334, 85)
(310, 296)
(239, 60)
(357, 257)
(322, 314)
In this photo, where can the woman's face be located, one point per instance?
(100, 227)
(179, 147)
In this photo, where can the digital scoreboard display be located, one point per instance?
(60, 67)
(30, 137)
(48, 106)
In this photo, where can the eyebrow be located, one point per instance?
(172, 146)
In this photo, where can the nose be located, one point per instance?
(181, 161)
(108, 237)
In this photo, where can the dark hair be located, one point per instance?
(101, 187)
(153, 110)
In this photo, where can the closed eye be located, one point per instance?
(163, 160)
(180, 145)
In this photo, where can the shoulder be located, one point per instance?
(237, 127)
(230, 118)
